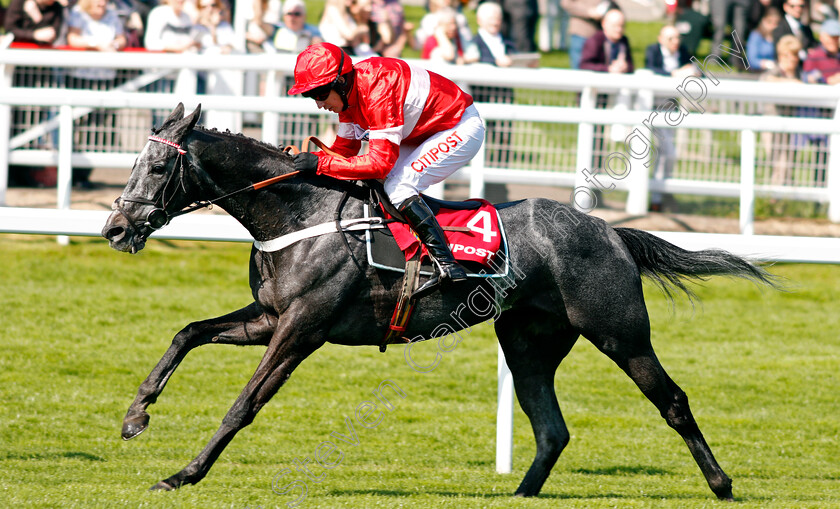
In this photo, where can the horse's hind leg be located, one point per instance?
(247, 326)
(533, 348)
(630, 348)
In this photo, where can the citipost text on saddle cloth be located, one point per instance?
(479, 244)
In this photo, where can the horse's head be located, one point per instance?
(157, 186)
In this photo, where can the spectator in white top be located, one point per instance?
(169, 28)
(93, 25)
(295, 34)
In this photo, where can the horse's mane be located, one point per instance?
(274, 149)
(279, 152)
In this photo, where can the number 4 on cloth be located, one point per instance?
(486, 229)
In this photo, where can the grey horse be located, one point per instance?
(576, 275)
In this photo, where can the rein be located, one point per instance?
(159, 217)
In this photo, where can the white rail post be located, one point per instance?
(586, 136)
(477, 171)
(271, 120)
(65, 166)
(833, 176)
(639, 182)
(747, 181)
(6, 72)
(504, 418)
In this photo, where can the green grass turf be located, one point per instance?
(83, 325)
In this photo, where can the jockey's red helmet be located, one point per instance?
(318, 65)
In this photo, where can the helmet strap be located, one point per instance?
(340, 84)
(343, 88)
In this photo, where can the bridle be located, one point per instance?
(159, 217)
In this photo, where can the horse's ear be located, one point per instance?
(179, 130)
(194, 116)
(176, 115)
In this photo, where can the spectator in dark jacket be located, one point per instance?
(490, 47)
(669, 56)
(37, 21)
(793, 22)
(608, 50)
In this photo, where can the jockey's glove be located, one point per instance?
(306, 162)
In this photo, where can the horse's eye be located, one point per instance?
(158, 168)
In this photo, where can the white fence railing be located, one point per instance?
(693, 93)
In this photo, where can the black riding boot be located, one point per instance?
(423, 222)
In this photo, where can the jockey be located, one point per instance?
(421, 128)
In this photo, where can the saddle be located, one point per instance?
(391, 248)
(380, 199)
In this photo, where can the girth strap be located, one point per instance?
(269, 246)
(405, 305)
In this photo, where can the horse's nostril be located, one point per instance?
(114, 233)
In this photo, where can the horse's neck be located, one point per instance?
(279, 209)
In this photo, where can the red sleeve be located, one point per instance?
(376, 164)
(345, 147)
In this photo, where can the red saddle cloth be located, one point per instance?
(479, 244)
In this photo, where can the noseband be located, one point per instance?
(159, 217)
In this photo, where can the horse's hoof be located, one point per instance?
(162, 486)
(526, 492)
(133, 426)
(723, 489)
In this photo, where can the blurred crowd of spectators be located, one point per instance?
(504, 35)
(114, 25)
(785, 40)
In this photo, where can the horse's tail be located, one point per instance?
(670, 266)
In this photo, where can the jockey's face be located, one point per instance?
(332, 103)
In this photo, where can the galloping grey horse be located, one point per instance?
(579, 277)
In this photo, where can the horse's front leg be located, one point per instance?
(289, 346)
(247, 326)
